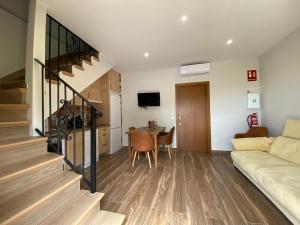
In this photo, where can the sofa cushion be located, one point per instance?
(283, 183)
(250, 161)
(253, 144)
(286, 148)
(292, 129)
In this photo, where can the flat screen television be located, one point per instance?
(148, 99)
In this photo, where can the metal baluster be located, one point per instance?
(49, 52)
(43, 104)
(50, 108)
(67, 46)
(58, 66)
(65, 106)
(57, 121)
(58, 48)
(73, 57)
(79, 51)
(93, 150)
(74, 131)
(83, 137)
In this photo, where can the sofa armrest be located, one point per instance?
(252, 144)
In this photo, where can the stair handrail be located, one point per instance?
(94, 114)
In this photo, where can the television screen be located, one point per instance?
(149, 99)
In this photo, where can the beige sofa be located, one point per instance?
(274, 170)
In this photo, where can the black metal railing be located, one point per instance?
(64, 48)
(72, 114)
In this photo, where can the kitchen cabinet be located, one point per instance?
(76, 137)
(104, 139)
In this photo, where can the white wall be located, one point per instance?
(228, 93)
(12, 42)
(280, 83)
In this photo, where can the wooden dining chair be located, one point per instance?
(166, 139)
(130, 129)
(142, 141)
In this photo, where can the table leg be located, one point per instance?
(155, 150)
(129, 149)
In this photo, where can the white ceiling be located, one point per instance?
(124, 30)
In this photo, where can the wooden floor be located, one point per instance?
(192, 188)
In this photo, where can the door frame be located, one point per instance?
(206, 83)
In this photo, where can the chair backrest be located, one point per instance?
(131, 128)
(257, 132)
(170, 135)
(142, 141)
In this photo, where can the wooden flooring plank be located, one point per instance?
(189, 189)
(179, 192)
(243, 203)
(163, 200)
(195, 211)
(152, 187)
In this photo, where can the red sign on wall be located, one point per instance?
(252, 75)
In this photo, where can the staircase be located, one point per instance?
(34, 187)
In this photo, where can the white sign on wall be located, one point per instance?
(253, 101)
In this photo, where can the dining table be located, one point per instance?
(154, 132)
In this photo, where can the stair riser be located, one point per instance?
(14, 132)
(13, 85)
(90, 214)
(44, 209)
(10, 218)
(13, 114)
(21, 153)
(12, 186)
(12, 97)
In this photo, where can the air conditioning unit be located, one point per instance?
(194, 69)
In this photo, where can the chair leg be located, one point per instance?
(146, 155)
(169, 150)
(138, 155)
(135, 152)
(149, 160)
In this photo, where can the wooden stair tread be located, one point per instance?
(16, 169)
(14, 123)
(78, 67)
(87, 62)
(24, 201)
(95, 58)
(75, 210)
(14, 90)
(13, 84)
(16, 142)
(108, 218)
(66, 73)
(14, 106)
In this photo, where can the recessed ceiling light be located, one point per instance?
(183, 18)
(229, 42)
(146, 54)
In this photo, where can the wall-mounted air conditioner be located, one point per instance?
(194, 69)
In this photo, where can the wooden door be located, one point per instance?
(193, 117)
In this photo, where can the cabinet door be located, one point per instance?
(114, 81)
(75, 155)
(103, 140)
